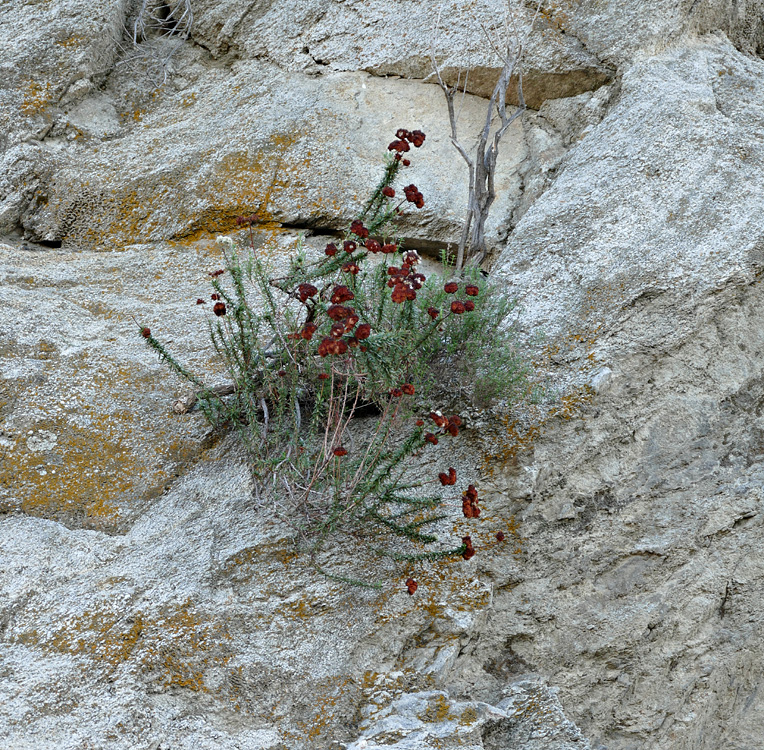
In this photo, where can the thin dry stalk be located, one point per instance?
(481, 164)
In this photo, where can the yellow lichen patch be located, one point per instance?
(37, 96)
(91, 453)
(72, 42)
(438, 709)
(327, 705)
(517, 437)
(181, 645)
(174, 647)
(105, 637)
(189, 201)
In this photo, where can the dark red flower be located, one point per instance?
(402, 133)
(341, 294)
(453, 424)
(400, 293)
(351, 268)
(337, 312)
(305, 291)
(457, 308)
(411, 586)
(417, 138)
(358, 229)
(500, 536)
(337, 330)
(201, 302)
(308, 330)
(470, 499)
(419, 202)
(281, 373)
(451, 287)
(393, 271)
(146, 333)
(388, 191)
(408, 389)
(469, 551)
(214, 296)
(351, 320)
(471, 290)
(438, 418)
(219, 309)
(217, 273)
(469, 305)
(323, 376)
(373, 246)
(349, 246)
(406, 162)
(340, 451)
(331, 249)
(399, 146)
(420, 423)
(389, 248)
(363, 331)
(432, 312)
(447, 479)
(411, 258)
(396, 392)
(430, 438)
(332, 346)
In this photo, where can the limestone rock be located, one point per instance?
(145, 601)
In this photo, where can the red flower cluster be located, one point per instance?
(388, 192)
(373, 246)
(470, 500)
(405, 281)
(469, 550)
(363, 331)
(457, 308)
(500, 536)
(215, 274)
(146, 333)
(433, 312)
(451, 288)
(411, 586)
(219, 309)
(201, 302)
(251, 219)
(331, 249)
(349, 246)
(305, 291)
(341, 293)
(414, 196)
(406, 388)
(388, 248)
(448, 479)
(340, 451)
(352, 268)
(450, 425)
(331, 346)
(358, 229)
(471, 290)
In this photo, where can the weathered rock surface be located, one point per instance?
(145, 602)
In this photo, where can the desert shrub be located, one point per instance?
(333, 368)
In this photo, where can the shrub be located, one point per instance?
(332, 369)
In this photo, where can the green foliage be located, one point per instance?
(331, 364)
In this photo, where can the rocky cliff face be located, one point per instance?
(147, 603)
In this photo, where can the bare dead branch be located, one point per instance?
(482, 167)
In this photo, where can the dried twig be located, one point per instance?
(482, 163)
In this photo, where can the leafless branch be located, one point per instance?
(482, 165)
